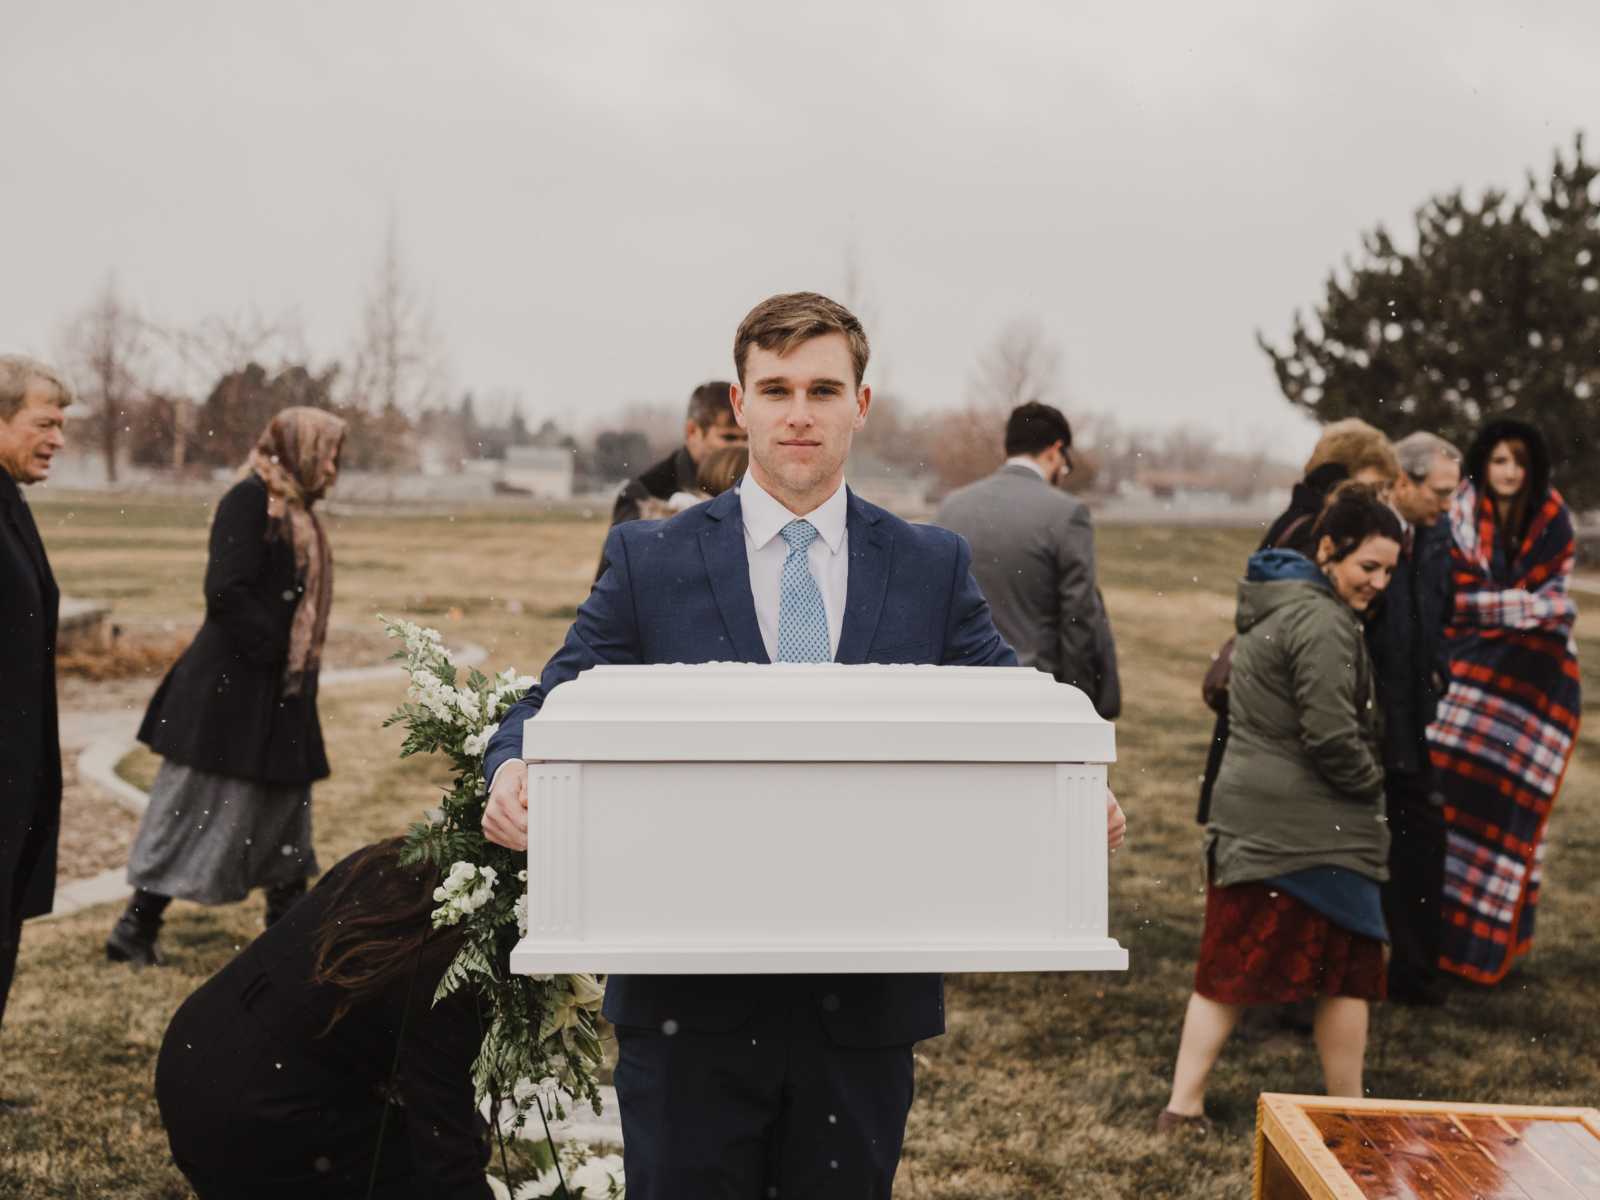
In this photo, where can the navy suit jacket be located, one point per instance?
(678, 591)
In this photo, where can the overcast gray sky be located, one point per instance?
(593, 195)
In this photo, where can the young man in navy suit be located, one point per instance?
(755, 1086)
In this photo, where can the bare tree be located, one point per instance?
(1020, 365)
(398, 362)
(194, 357)
(108, 349)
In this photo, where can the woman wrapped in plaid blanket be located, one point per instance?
(1506, 727)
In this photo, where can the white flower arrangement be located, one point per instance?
(464, 891)
(540, 1042)
(578, 1172)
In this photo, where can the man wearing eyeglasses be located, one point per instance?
(1033, 556)
(1406, 639)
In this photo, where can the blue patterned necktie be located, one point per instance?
(802, 620)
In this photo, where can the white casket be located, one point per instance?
(823, 818)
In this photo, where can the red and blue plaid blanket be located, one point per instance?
(1505, 729)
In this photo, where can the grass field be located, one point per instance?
(1045, 1085)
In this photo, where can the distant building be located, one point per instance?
(542, 471)
(903, 492)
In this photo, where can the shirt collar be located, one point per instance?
(1023, 460)
(764, 518)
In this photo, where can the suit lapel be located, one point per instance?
(870, 549)
(728, 569)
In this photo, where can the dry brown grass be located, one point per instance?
(1045, 1086)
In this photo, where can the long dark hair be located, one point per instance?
(1353, 514)
(379, 927)
(1534, 458)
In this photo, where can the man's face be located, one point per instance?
(1424, 501)
(701, 442)
(801, 409)
(33, 435)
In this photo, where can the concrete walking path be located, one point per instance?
(111, 735)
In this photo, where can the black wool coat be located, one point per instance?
(30, 742)
(221, 708)
(1405, 637)
(263, 1093)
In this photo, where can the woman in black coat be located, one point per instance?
(274, 1078)
(236, 718)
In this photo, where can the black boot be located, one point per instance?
(133, 937)
(281, 897)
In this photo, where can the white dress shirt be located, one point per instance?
(1027, 460)
(828, 557)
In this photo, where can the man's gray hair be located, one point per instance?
(17, 374)
(1418, 451)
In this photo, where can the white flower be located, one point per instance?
(464, 891)
(522, 916)
(467, 702)
(476, 743)
(593, 1178)
(545, 1185)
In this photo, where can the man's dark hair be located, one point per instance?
(710, 403)
(1033, 428)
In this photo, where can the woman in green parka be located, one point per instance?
(1298, 841)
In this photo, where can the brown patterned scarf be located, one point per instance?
(296, 456)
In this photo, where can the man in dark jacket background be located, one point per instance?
(708, 425)
(32, 400)
(1406, 640)
(1033, 556)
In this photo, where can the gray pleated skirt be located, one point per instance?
(211, 839)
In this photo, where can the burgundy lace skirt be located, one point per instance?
(1262, 946)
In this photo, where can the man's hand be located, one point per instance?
(505, 817)
(1116, 822)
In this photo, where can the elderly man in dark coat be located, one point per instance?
(1406, 637)
(32, 398)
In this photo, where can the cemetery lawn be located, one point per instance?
(1045, 1085)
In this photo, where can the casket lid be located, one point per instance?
(817, 712)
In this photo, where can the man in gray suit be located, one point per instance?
(1033, 556)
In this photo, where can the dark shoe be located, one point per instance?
(281, 898)
(133, 943)
(1170, 1122)
(15, 1104)
(133, 937)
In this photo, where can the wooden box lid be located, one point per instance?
(1334, 1148)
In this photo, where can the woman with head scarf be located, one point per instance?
(1505, 729)
(236, 718)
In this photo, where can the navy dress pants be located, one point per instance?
(772, 1111)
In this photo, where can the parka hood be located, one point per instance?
(1276, 578)
(1476, 463)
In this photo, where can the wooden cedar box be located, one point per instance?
(1333, 1148)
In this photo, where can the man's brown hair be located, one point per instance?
(1355, 446)
(781, 323)
(17, 374)
(710, 403)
